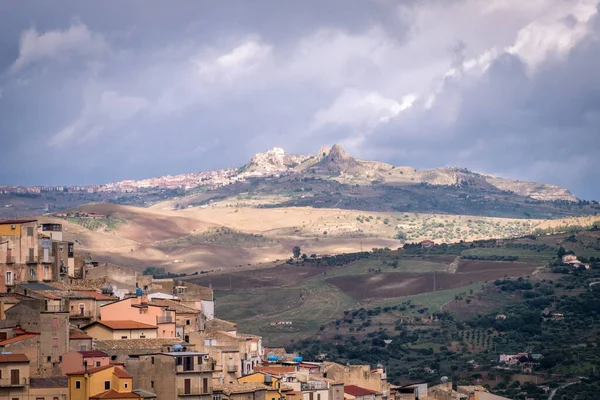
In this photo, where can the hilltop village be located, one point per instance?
(73, 328)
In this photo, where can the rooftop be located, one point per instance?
(238, 388)
(184, 353)
(137, 344)
(144, 394)
(121, 373)
(53, 382)
(13, 358)
(16, 221)
(358, 391)
(96, 295)
(274, 370)
(113, 394)
(77, 334)
(122, 325)
(220, 325)
(37, 286)
(17, 338)
(93, 353)
(174, 306)
(93, 370)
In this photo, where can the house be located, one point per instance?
(137, 309)
(352, 392)
(174, 375)
(44, 335)
(512, 358)
(107, 330)
(105, 382)
(187, 319)
(358, 375)
(411, 392)
(79, 340)
(55, 388)
(427, 243)
(14, 376)
(73, 361)
(304, 385)
(18, 252)
(245, 391)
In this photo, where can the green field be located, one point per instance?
(525, 255)
(109, 224)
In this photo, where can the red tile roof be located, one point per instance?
(16, 221)
(18, 338)
(358, 391)
(77, 334)
(275, 370)
(92, 353)
(96, 295)
(92, 370)
(13, 358)
(120, 373)
(123, 325)
(113, 394)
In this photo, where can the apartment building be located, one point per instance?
(175, 375)
(18, 252)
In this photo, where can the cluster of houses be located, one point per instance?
(101, 331)
(572, 261)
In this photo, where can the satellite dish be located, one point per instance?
(444, 379)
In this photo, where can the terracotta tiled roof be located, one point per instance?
(92, 370)
(121, 373)
(358, 391)
(113, 394)
(274, 370)
(137, 344)
(122, 325)
(18, 338)
(96, 295)
(53, 382)
(174, 305)
(220, 325)
(13, 358)
(77, 334)
(93, 353)
(16, 221)
(238, 388)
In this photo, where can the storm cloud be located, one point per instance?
(97, 92)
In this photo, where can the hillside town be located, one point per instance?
(73, 328)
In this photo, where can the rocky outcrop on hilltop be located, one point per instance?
(271, 162)
(538, 191)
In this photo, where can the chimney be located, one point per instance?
(85, 366)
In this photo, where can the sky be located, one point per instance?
(97, 92)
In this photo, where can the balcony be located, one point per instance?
(13, 382)
(32, 278)
(82, 315)
(10, 259)
(31, 260)
(232, 368)
(189, 367)
(55, 308)
(48, 260)
(165, 320)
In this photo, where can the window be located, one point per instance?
(55, 398)
(30, 231)
(39, 398)
(126, 385)
(187, 322)
(9, 278)
(123, 337)
(318, 396)
(49, 358)
(152, 360)
(106, 385)
(98, 364)
(204, 385)
(142, 336)
(83, 347)
(187, 386)
(55, 342)
(55, 322)
(114, 358)
(77, 384)
(152, 384)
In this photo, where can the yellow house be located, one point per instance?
(106, 382)
(261, 377)
(117, 330)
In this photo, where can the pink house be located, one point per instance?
(137, 309)
(73, 361)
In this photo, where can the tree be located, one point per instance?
(304, 256)
(296, 251)
(561, 252)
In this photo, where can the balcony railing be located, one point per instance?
(31, 260)
(55, 308)
(206, 366)
(232, 368)
(10, 259)
(165, 320)
(10, 382)
(82, 315)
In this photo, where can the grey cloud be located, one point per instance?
(103, 94)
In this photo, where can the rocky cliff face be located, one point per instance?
(336, 164)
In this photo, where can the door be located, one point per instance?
(46, 254)
(14, 376)
(187, 389)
